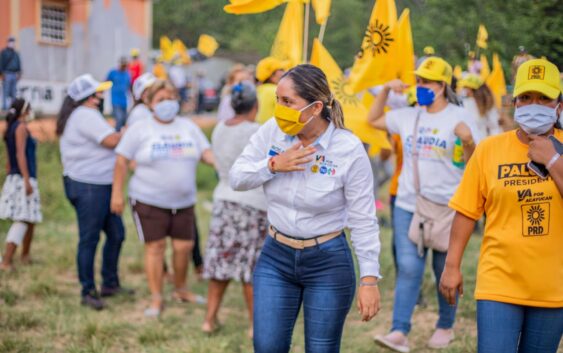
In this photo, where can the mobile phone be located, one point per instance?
(540, 169)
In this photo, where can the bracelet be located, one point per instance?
(552, 161)
(272, 164)
(368, 284)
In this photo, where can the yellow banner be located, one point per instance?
(288, 44)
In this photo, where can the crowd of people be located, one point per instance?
(292, 178)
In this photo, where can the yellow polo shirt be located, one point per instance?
(521, 260)
(266, 94)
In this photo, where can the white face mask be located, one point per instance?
(166, 110)
(535, 119)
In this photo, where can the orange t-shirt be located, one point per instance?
(521, 260)
(398, 149)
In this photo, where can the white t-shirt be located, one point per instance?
(487, 125)
(166, 157)
(439, 177)
(138, 113)
(228, 143)
(84, 158)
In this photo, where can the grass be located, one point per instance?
(40, 310)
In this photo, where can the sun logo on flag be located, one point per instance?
(342, 91)
(536, 215)
(376, 39)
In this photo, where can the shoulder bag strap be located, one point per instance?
(415, 154)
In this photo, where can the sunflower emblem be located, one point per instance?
(376, 39)
(536, 72)
(536, 215)
(342, 91)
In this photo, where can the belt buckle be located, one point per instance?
(299, 244)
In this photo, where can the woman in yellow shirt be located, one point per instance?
(519, 289)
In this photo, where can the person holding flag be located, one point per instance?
(317, 180)
(436, 143)
(268, 72)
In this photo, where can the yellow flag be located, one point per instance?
(355, 114)
(207, 45)
(251, 6)
(288, 44)
(496, 81)
(322, 10)
(485, 68)
(181, 51)
(373, 61)
(405, 49)
(458, 72)
(482, 37)
(166, 49)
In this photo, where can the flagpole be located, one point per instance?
(306, 32)
(322, 31)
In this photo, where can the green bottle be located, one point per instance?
(458, 154)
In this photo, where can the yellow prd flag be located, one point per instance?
(166, 49)
(485, 68)
(181, 51)
(207, 45)
(405, 49)
(496, 81)
(288, 44)
(373, 61)
(355, 114)
(252, 6)
(322, 10)
(482, 37)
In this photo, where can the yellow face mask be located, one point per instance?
(288, 119)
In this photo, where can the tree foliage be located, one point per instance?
(449, 26)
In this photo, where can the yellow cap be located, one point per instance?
(134, 52)
(538, 75)
(435, 69)
(428, 50)
(267, 66)
(471, 81)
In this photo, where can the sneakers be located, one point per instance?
(93, 301)
(395, 340)
(113, 291)
(441, 338)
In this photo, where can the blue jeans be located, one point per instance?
(92, 205)
(9, 85)
(410, 274)
(510, 328)
(120, 116)
(321, 277)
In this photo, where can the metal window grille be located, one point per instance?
(54, 24)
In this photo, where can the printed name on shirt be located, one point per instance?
(518, 174)
(429, 145)
(323, 166)
(172, 147)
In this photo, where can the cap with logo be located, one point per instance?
(85, 85)
(435, 69)
(142, 83)
(428, 50)
(267, 66)
(471, 81)
(538, 75)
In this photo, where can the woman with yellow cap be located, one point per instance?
(519, 288)
(479, 101)
(430, 174)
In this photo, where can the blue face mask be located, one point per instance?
(424, 96)
(166, 110)
(535, 119)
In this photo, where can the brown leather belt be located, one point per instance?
(300, 244)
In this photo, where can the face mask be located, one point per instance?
(535, 119)
(166, 110)
(288, 119)
(425, 96)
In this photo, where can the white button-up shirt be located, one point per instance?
(335, 189)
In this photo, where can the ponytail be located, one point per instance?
(451, 97)
(19, 106)
(336, 114)
(69, 105)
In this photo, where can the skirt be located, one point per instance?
(15, 205)
(236, 236)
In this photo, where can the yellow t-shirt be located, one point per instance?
(266, 94)
(521, 259)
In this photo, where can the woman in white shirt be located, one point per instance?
(239, 223)
(317, 180)
(480, 103)
(441, 131)
(87, 141)
(162, 190)
(237, 74)
(140, 110)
